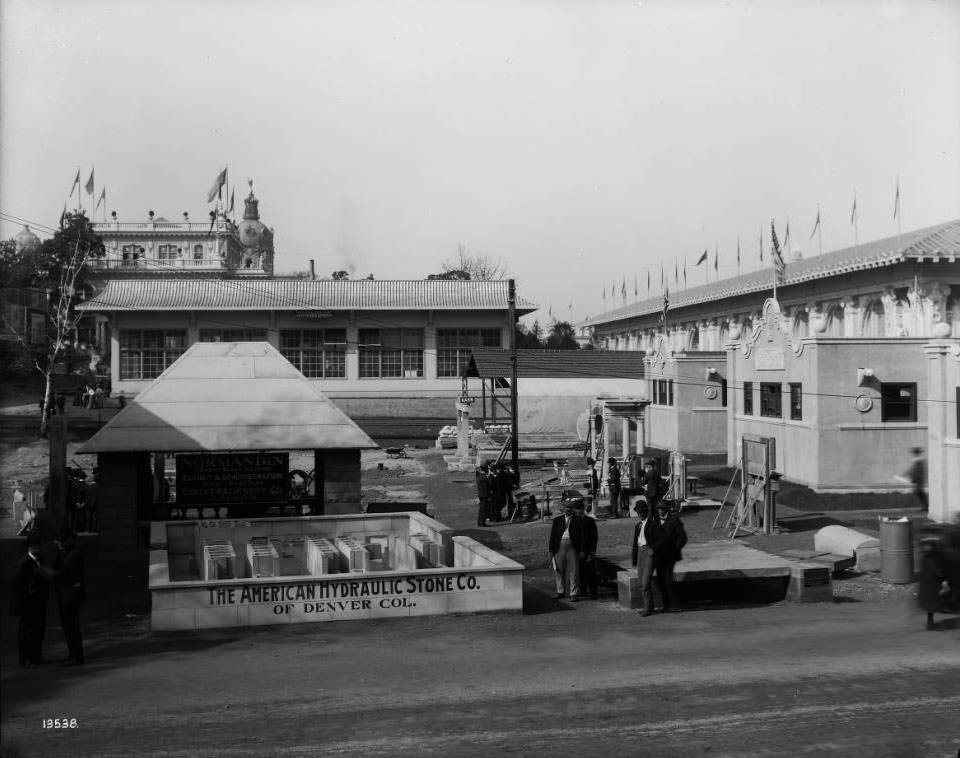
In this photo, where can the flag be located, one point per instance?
(213, 220)
(684, 272)
(738, 253)
(666, 306)
(786, 240)
(604, 294)
(636, 287)
(662, 280)
(217, 185)
(648, 282)
(702, 258)
(623, 289)
(550, 311)
(778, 262)
(761, 243)
(716, 259)
(89, 185)
(676, 273)
(816, 224)
(231, 200)
(896, 200)
(103, 197)
(76, 183)
(63, 216)
(853, 211)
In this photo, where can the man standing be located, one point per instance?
(917, 473)
(646, 541)
(674, 538)
(29, 601)
(483, 496)
(588, 550)
(565, 546)
(68, 580)
(652, 484)
(613, 486)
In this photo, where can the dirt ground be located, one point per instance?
(738, 672)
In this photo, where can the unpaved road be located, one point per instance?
(852, 679)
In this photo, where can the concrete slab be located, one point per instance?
(726, 559)
(836, 563)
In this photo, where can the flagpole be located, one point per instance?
(773, 255)
(819, 231)
(896, 211)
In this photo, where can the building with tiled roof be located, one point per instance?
(899, 286)
(375, 347)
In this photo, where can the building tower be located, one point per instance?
(256, 238)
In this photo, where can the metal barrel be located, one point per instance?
(896, 550)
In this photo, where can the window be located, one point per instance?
(131, 255)
(748, 398)
(198, 252)
(167, 253)
(898, 402)
(317, 353)
(233, 335)
(796, 401)
(771, 402)
(390, 353)
(663, 391)
(455, 346)
(145, 353)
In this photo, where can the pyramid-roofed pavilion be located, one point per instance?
(229, 396)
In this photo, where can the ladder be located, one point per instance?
(723, 500)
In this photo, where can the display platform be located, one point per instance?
(223, 573)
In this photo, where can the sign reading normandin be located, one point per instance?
(232, 478)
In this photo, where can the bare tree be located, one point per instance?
(479, 267)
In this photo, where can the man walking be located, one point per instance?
(565, 546)
(29, 601)
(674, 538)
(68, 581)
(646, 541)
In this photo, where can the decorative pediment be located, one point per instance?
(771, 327)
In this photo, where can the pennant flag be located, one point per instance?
(816, 224)
(636, 288)
(702, 257)
(786, 240)
(662, 280)
(231, 200)
(778, 262)
(623, 289)
(684, 272)
(666, 306)
(550, 311)
(853, 211)
(604, 294)
(761, 243)
(76, 183)
(63, 216)
(896, 200)
(716, 259)
(89, 186)
(738, 253)
(217, 185)
(103, 197)
(648, 282)
(676, 273)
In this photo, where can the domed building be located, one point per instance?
(26, 240)
(256, 237)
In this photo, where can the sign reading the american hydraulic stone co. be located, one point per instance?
(232, 478)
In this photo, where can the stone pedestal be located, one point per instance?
(809, 583)
(629, 594)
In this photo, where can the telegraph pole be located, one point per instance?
(512, 319)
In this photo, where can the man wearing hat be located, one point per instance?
(646, 542)
(588, 549)
(674, 538)
(68, 581)
(29, 601)
(565, 547)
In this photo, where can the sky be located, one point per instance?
(582, 144)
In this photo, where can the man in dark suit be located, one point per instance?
(29, 601)
(483, 496)
(674, 538)
(69, 583)
(588, 550)
(565, 546)
(646, 541)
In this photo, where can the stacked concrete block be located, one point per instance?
(218, 559)
(355, 556)
(262, 557)
(322, 557)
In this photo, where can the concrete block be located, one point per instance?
(629, 594)
(868, 558)
(810, 583)
(173, 619)
(842, 540)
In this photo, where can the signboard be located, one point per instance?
(232, 478)
(769, 359)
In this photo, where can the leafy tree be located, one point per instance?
(59, 267)
(529, 339)
(455, 274)
(562, 336)
(340, 275)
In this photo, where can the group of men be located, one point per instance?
(43, 565)
(495, 485)
(650, 482)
